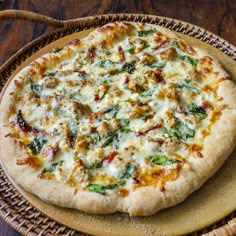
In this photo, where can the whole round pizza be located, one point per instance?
(130, 118)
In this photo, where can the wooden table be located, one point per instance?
(216, 16)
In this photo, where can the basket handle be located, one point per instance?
(31, 16)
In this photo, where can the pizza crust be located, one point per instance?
(144, 200)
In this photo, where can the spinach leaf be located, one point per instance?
(147, 93)
(128, 67)
(118, 184)
(191, 60)
(158, 64)
(95, 164)
(105, 63)
(163, 160)
(198, 111)
(97, 188)
(186, 84)
(110, 139)
(175, 44)
(37, 89)
(52, 167)
(146, 33)
(52, 73)
(181, 131)
(36, 145)
(124, 125)
(129, 171)
(95, 136)
(129, 48)
(55, 50)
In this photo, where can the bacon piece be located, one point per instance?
(121, 52)
(23, 124)
(157, 126)
(99, 113)
(29, 160)
(205, 104)
(96, 98)
(70, 141)
(91, 52)
(179, 109)
(109, 157)
(127, 79)
(149, 117)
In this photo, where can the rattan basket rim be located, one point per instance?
(12, 198)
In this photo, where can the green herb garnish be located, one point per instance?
(181, 131)
(186, 84)
(105, 63)
(158, 64)
(52, 167)
(52, 73)
(129, 171)
(146, 33)
(36, 145)
(175, 44)
(163, 160)
(97, 188)
(95, 164)
(191, 60)
(198, 111)
(124, 125)
(37, 89)
(128, 67)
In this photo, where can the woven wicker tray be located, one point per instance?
(14, 208)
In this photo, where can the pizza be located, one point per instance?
(130, 118)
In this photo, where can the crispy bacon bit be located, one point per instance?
(96, 98)
(179, 109)
(98, 113)
(205, 104)
(109, 157)
(162, 44)
(23, 125)
(91, 52)
(70, 141)
(121, 52)
(126, 79)
(51, 151)
(157, 126)
(74, 42)
(149, 117)
(58, 97)
(93, 129)
(7, 135)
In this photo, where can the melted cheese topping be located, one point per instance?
(123, 108)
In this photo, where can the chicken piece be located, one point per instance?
(137, 84)
(168, 54)
(138, 44)
(78, 110)
(50, 82)
(125, 157)
(139, 110)
(170, 145)
(104, 129)
(147, 58)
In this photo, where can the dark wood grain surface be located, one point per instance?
(217, 16)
